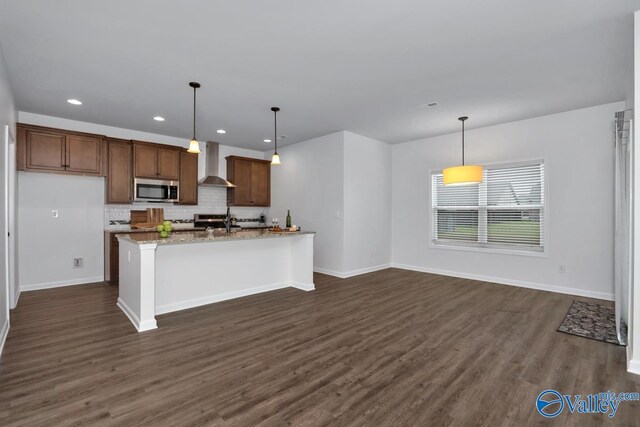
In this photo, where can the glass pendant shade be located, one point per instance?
(275, 159)
(462, 175)
(194, 147)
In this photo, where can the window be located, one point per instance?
(505, 211)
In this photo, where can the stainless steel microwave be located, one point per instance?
(155, 190)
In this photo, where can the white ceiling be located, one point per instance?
(359, 65)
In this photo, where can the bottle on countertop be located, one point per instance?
(289, 219)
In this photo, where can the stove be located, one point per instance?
(210, 221)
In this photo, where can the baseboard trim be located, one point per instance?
(60, 283)
(634, 366)
(16, 299)
(351, 273)
(147, 325)
(3, 334)
(509, 282)
(197, 302)
(328, 272)
(303, 286)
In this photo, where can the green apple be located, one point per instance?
(164, 234)
(166, 223)
(160, 228)
(167, 228)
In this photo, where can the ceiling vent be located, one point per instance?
(428, 105)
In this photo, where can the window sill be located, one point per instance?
(517, 252)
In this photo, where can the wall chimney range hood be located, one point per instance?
(211, 178)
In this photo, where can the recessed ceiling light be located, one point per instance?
(74, 101)
(267, 140)
(282, 136)
(158, 119)
(221, 131)
(428, 105)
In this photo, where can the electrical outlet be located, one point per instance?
(78, 263)
(563, 268)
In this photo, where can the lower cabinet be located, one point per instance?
(111, 257)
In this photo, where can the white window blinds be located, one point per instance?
(505, 211)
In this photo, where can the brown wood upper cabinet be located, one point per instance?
(252, 178)
(119, 180)
(153, 161)
(188, 178)
(53, 150)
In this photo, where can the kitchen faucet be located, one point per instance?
(227, 220)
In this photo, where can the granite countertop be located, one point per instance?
(176, 228)
(128, 229)
(205, 236)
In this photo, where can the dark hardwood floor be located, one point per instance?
(388, 348)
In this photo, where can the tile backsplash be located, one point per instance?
(211, 200)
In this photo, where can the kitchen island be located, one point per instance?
(111, 246)
(187, 270)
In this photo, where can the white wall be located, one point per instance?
(339, 186)
(633, 349)
(310, 183)
(578, 150)
(7, 117)
(48, 245)
(367, 204)
(8, 114)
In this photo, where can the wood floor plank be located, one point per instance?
(392, 347)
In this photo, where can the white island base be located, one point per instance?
(162, 276)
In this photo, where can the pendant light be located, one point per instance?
(465, 174)
(194, 146)
(275, 159)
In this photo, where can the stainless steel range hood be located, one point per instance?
(211, 178)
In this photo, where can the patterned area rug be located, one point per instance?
(593, 321)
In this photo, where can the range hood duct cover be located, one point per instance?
(211, 178)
